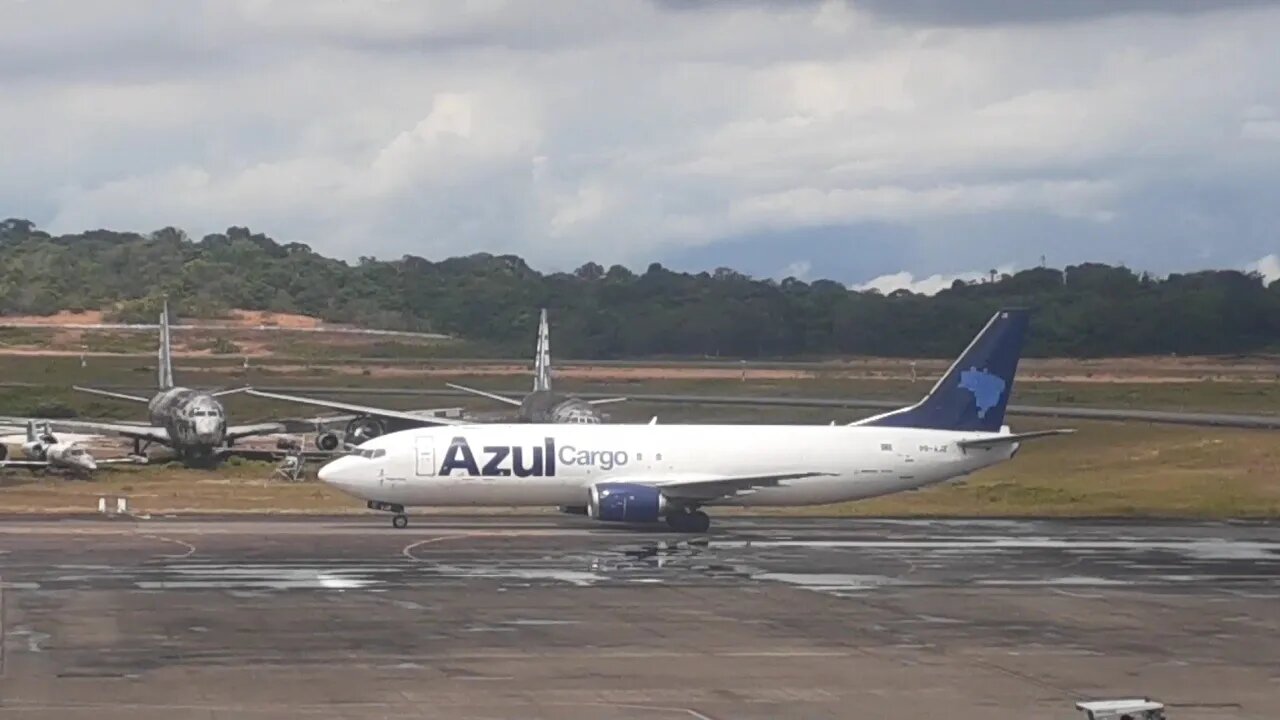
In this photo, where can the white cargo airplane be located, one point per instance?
(645, 473)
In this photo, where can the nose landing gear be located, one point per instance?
(399, 521)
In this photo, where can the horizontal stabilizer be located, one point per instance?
(110, 394)
(230, 391)
(996, 440)
(485, 394)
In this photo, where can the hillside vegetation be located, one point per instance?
(1085, 310)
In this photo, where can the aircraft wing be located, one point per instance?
(139, 432)
(714, 488)
(24, 463)
(485, 394)
(235, 432)
(606, 401)
(125, 460)
(110, 394)
(361, 409)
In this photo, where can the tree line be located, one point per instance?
(1087, 310)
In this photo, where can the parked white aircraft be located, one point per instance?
(542, 405)
(645, 473)
(43, 449)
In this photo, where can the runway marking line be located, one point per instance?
(652, 708)
(408, 549)
(191, 549)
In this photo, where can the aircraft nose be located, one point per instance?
(343, 474)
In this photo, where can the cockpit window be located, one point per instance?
(369, 453)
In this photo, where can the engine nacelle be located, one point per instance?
(625, 502)
(363, 428)
(33, 450)
(328, 441)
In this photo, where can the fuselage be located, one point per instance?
(67, 456)
(192, 418)
(504, 465)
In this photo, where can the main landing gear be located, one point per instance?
(399, 521)
(694, 521)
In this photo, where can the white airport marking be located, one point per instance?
(191, 549)
(1216, 549)
(408, 549)
(655, 708)
(828, 581)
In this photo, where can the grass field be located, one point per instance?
(1106, 469)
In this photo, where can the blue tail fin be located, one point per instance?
(975, 390)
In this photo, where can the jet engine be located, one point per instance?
(328, 441)
(35, 450)
(625, 502)
(362, 429)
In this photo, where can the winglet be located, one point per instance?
(974, 392)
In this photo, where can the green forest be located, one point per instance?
(1087, 310)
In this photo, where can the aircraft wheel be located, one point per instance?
(699, 522)
(400, 521)
(689, 522)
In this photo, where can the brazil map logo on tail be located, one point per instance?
(986, 388)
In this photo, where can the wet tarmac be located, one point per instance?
(531, 617)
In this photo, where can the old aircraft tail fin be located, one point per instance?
(164, 365)
(542, 356)
(973, 393)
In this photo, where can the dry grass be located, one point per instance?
(246, 487)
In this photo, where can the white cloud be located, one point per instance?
(930, 285)
(1268, 267)
(800, 270)
(628, 131)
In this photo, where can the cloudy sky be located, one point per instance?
(894, 142)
